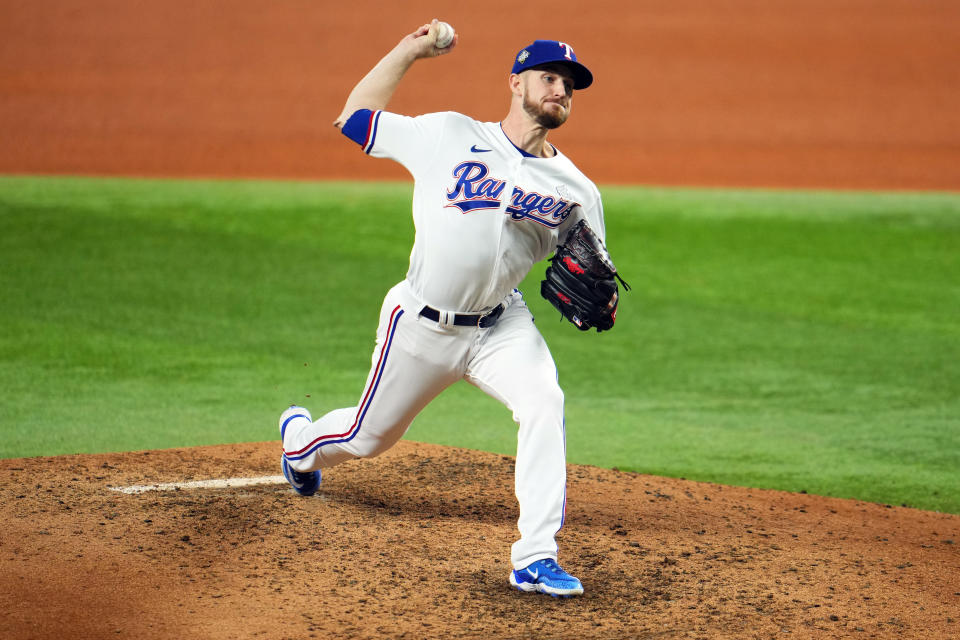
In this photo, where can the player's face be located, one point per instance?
(547, 95)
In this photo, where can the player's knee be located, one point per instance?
(545, 403)
(552, 396)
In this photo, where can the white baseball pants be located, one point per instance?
(414, 360)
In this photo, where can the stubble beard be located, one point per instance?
(547, 120)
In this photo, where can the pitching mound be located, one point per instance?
(415, 544)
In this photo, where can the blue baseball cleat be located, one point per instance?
(546, 576)
(303, 482)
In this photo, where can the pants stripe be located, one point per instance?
(371, 391)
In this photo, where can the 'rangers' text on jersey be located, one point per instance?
(485, 212)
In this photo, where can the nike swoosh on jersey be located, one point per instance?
(477, 149)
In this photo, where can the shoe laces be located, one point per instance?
(552, 565)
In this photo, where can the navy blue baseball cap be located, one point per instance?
(543, 52)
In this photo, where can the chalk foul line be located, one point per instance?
(216, 483)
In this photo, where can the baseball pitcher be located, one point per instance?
(490, 200)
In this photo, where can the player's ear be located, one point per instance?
(514, 83)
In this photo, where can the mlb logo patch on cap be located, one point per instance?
(543, 52)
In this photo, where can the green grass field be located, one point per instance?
(800, 341)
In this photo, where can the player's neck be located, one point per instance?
(526, 134)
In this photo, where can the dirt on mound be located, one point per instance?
(415, 544)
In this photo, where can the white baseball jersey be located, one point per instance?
(485, 212)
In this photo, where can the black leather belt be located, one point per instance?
(482, 320)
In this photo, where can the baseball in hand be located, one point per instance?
(444, 35)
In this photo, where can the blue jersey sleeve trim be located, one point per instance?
(361, 127)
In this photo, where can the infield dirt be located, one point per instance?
(415, 544)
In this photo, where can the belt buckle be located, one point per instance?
(489, 319)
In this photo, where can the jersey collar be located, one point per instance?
(527, 154)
